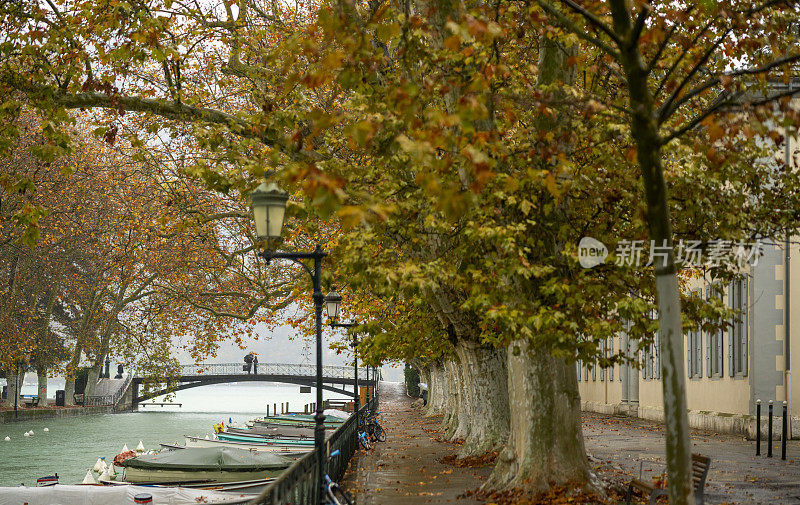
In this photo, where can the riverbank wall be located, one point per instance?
(10, 416)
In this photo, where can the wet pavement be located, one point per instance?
(406, 469)
(620, 444)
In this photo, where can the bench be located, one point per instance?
(30, 400)
(78, 397)
(700, 466)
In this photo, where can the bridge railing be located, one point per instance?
(297, 484)
(330, 371)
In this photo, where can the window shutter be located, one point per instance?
(699, 350)
(745, 333)
(611, 369)
(689, 352)
(594, 372)
(580, 370)
(731, 329)
(709, 371)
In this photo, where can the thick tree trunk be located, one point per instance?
(435, 390)
(487, 387)
(41, 373)
(69, 379)
(450, 421)
(91, 381)
(464, 398)
(13, 387)
(545, 445)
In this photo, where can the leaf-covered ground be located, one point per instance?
(416, 465)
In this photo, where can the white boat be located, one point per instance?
(92, 495)
(291, 451)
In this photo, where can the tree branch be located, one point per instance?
(717, 80)
(723, 104)
(702, 61)
(565, 22)
(593, 20)
(166, 109)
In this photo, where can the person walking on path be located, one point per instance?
(423, 393)
(255, 365)
(248, 361)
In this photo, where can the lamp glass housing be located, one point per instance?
(332, 302)
(269, 209)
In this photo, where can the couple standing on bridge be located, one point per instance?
(250, 360)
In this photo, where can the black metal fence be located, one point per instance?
(297, 484)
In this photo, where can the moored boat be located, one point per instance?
(279, 442)
(216, 464)
(274, 431)
(283, 450)
(92, 495)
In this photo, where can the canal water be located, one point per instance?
(72, 445)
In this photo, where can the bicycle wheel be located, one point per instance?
(365, 443)
(380, 433)
(342, 497)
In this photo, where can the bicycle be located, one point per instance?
(374, 429)
(364, 440)
(333, 493)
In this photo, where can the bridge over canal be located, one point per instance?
(334, 378)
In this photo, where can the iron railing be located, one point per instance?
(331, 372)
(297, 484)
(112, 399)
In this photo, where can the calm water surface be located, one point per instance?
(73, 444)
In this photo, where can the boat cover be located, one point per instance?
(209, 458)
(104, 495)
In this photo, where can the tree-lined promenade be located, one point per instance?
(449, 156)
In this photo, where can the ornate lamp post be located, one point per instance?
(332, 303)
(269, 209)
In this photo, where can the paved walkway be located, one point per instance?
(618, 445)
(405, 470)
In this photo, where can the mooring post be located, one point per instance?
(268, 410)
(758, 427)
(275, 408)
(769, 431)
(784, 432)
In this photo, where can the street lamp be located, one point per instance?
(333, 301)
(269, 209)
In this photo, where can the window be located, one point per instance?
(737, 334)
(586, 372)
(713, 344)
(580, 370)
(694, 349)
(651, 367)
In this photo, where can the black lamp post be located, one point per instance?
(269, 208)
(332, 303)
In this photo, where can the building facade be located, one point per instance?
(726, 371)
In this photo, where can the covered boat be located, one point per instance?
(278, 442)
(275, 431)
(289, 451)
(93, 495)
(299, 420)
(217, 464)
